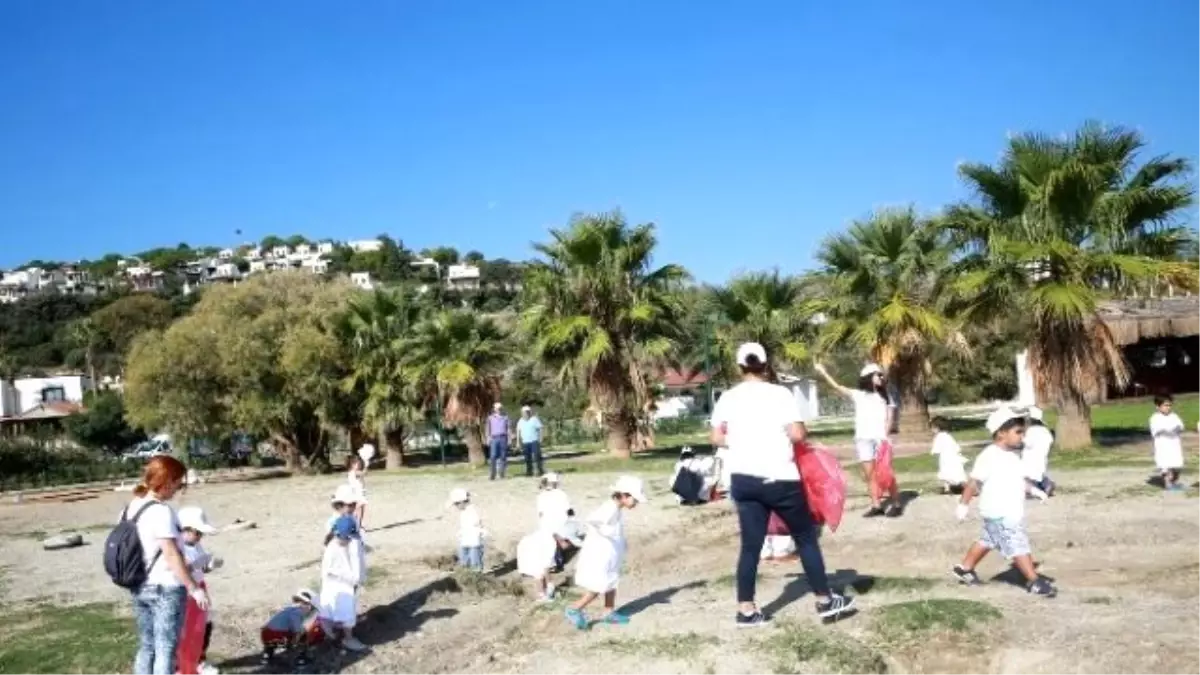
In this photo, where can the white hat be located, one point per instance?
(497, 405)
(366, 452)
(630, 485)
(748, 349)
(870, 369)
(1034, 413)
(345, 494)
(458, 495)
(1001, 416)
(526, 409)
(193, 518)
(551, 477)
(305, 595)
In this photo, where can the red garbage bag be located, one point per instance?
(823, 482)
(776, 527)
(191, 638)
(885, 476)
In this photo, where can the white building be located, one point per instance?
(462, 277)
(24, 394)
(315, 265)
(365, 245)
(362, 280)
(258, 266)
(325, 248)
(225, 254)
(226, 271)
(280, 252)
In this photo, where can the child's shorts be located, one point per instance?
(1010, 540)
(865, 449)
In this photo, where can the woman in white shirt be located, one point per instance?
(758, 422)
(873, 416)
(159, 602)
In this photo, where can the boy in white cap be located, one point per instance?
(470, 530)
(193, 523)
(1036, 455)
(599, 568)
(998, 477)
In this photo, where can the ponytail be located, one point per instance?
(140, 490)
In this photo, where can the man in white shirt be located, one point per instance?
(998, 477)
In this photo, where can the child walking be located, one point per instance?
(1165, 428)
(999, 479)
(951, 463)
(296, 626)
(599, 569)
(356, 476)
(194, 525)
(470, 530)
(343, 571)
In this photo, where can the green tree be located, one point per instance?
(271, 241)
(598, 311)
(118, 323)
(296, 240)
(259, 357)
(886, 296)
(763, 307)
(457, 358)
(102, 425)
(1060, 224)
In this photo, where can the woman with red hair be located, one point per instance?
(159, 602)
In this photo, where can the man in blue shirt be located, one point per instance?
(529, 435)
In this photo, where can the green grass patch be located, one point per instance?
(905, 620)
(679, 647)
(85, 638)
(869, 584)
(800, 647)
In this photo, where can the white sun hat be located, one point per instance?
(1000, 417)
(193, 518)
(1035, 413)
(305, 595)
(748, 349)
(345, 494)
(630, 485)
(551, 477)
(366, 452)
(870, 369)
(459, 495)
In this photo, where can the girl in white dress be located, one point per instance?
(343, 571)
(599, 568)
(951, 463)
(356, 478)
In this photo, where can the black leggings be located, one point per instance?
(207, 641)
(756, 499)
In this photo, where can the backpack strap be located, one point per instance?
(134, 520)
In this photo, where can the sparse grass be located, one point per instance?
(444, 562)
(822, 649)
(99, 639)
(868, 584)
(680, 647)
(904, 621)
(483, 584)
(1098, 600)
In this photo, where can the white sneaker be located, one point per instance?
(206, 669)
(351, 644)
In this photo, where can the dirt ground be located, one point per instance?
(1125, 557)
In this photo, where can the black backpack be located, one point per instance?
(124, 559)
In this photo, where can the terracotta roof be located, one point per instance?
(47, 411)
(675, 379)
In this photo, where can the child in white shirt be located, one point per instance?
(470, 530)
(951, 463)
(599, 568)
(1165, 428)
(343, 572)
(194, 525)
(356, 476)
(999, 479)
(536, 556)
(1036, 453)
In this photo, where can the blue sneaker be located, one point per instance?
(616, 618)
(577, 618)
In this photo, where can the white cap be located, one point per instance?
(526, 408)
(1034, 413)
(497, 405)
(345, 494)
(366, 452)
(999, 417)
(748, 349)
(458, 495)
(551, 477)
(193, 518)
(870, 369)
(305, 595)
(630, 485)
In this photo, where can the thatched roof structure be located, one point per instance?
(1148, 318)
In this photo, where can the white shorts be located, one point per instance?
(865, 449)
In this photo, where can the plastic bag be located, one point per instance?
(885, 476)
(823, 482)
(191, 638)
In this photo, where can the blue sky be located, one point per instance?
(746, 131)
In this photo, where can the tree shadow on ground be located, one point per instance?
(389, 526)
(659, 597)
(798, 587)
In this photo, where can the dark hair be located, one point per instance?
(753, 365)
(1014, 422)
(1161, 399)
(867, 384)
(940, 423)
(570, 513)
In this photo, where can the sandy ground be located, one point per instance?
(1125, 558)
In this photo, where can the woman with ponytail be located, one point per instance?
(159, 602)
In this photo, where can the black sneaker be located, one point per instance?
(755, 620)
(873, 512)
(835, 607)
(965, 576)
(894, 510)
(1042, 587)
(268, 655)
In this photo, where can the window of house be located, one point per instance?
(50, 394)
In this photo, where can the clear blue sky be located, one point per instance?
(747, 131)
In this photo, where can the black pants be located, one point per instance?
(207, 641)
(756, 499)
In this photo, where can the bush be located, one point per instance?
(26, 464)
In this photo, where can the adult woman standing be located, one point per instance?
(158, 603)
(873, 416)
(758, 422)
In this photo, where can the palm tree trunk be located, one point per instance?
(913, 419)
(620, 431)
(392, 439)
(471, 436)
(1074, 428)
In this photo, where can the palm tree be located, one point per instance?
(1059, 225)
(85, 336)
(374, 329)
(599, 314)
(762, 307)
(456, 358)
(885, 295)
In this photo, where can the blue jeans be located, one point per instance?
(497, 456)
(159, 614)
(756, 499)
(533, 455)
(471, 557)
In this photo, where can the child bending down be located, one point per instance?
(999, 479)
(296, 626)
(599, 568)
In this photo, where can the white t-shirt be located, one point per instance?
(470, 527)
(1002, 474)
(950, 459)
(552, 507)
(1168, 446)
(197, 560)
(870, 415)
(756, 415)
(158, 522)
(1036, 455)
